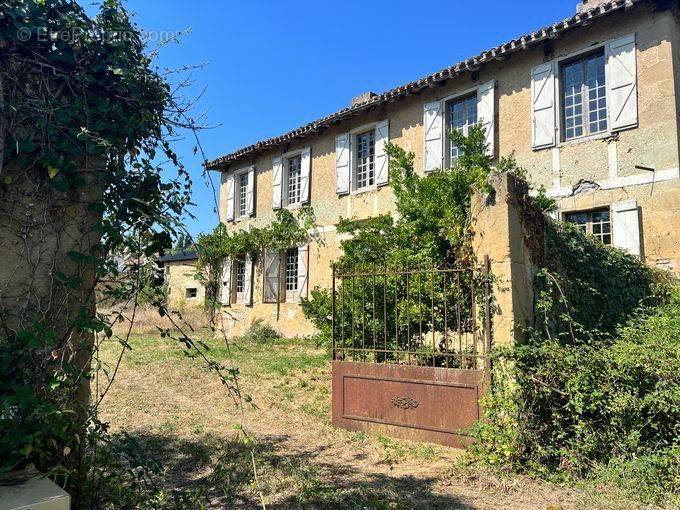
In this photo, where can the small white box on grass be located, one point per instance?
(34, 493)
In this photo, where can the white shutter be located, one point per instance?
(382, 136)
(622, 101)
(434, 142)
(626, 228)
(303, 270)
(342, 163)
(272, 285)
(250, 192)
(230, 196)
(248, 281)
(486, 113)
(305, 169)
(543, 105)
(277, 169)
(225, 282)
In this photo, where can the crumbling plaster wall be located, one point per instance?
(653, 144)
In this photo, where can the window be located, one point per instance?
(584, 96)
(461, 114)
(191, 292)
(242, 195)
(293, 180)
(596, 222)
(291, 273)
(365, 160)
(240, 279)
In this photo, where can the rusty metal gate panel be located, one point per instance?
(410, 354)
(429, 404)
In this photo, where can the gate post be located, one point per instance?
(509, 232)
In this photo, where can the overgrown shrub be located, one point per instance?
(260, 331)
(600, 285)
(432, 228)
(591, 403)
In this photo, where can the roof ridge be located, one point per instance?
(470, 64)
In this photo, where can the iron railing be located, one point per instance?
(426, 316)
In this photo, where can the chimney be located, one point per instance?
(363, 98)
(586, 5)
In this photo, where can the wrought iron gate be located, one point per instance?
(410, 350)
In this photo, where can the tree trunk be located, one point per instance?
(43, 282)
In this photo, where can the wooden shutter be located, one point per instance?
(248, 281)
(305, 170)
(342, 163)
(230, 196)
(382, 136)
(250, 192)
(486, 113)
(433, 122)
(303, 270)
(225, 282)
(543, 105)
(272, 268)
(277, 173)
(626, 227)
(622, 101)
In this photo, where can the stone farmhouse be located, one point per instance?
(589, 106)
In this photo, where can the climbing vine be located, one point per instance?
(288, 230)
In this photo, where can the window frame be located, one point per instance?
(450, 100)
(289, 296)
(582, 58)
(353, 133)
(371, 170)
(238, 174)
(238, 297)
(285, 162)
(589, 223)
(559, 62)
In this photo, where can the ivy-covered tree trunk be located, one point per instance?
(47, 278)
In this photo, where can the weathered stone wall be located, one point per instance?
(510, 231)
(180, 275)
(587, 173)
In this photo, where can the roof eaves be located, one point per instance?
(469, 65)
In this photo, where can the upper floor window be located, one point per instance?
(365, 160)
(242, 195)
(293, 180)
(584, 96)
(596, 222)
(461, 115)
(239, 187)
(593, 93)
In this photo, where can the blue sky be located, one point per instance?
(271, 67)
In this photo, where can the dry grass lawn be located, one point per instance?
(183, 414)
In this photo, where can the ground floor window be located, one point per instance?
(291, 272)
(596, 222)
(285, 275)
(239, 279)
(191, 292)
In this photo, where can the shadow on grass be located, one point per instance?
(222, 470)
